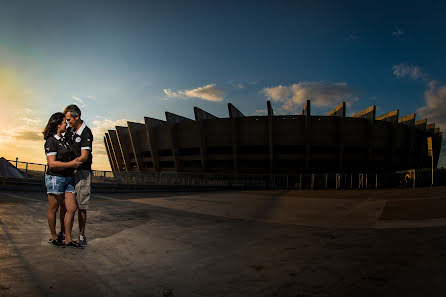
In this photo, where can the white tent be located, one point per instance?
(9, 170)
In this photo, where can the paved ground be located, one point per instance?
(296, 243)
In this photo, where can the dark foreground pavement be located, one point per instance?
(302, 243)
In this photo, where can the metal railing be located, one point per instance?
(410, 178)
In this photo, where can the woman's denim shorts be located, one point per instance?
(58, 185)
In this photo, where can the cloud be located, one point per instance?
(442, 159)
(403, 70)
(209, 93)
(80, 101)
(352, 101)
(435, 109)
(29, 135)
(169, 93)
(320, 94)
(352, 37)
(100, 127)
(398, 32)
(27, 128)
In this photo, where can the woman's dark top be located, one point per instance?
(59, 147)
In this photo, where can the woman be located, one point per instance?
(58, 178)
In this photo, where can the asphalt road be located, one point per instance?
(262, 243)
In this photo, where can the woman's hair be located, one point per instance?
(51, 128)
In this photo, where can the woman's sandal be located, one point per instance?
(74, 244)
(56, 243)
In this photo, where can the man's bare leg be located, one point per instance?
(71, 206)
(82, 216)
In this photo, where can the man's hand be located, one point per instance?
(84, 156)
(75, 163)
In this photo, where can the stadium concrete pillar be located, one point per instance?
(141, 146)
(340, 137)
(420, 125)
(151, 132)
(430, 128)
(391, 117)
(409, 120)
(370, 115)
(339, 111)
(173, 119)
(270, 136)
(175, 149)
(306, 111)
(150, 124)
(203, 146)
(436, 145)
(116, 150)
(112, 154)
(412, 160)
(234, 113)
(200, 116)
(126, 148)
(112, 164)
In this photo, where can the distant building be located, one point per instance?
(274, 143)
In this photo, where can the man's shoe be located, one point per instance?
(56, 243)
(82, 240)
(61, 237)
(74, 244)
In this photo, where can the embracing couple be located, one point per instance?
(68, 148)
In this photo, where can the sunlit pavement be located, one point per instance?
(296, 243)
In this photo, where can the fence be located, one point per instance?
(410, 178)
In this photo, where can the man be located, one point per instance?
(82, 140)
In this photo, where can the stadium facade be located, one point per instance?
(272, 144)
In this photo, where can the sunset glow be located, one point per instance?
(122, 63)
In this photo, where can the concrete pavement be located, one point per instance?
(252, 243)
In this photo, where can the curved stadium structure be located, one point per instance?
(302, 143)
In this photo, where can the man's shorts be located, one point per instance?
(82, 185)
(58, 185)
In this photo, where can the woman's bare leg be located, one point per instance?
(71, 206)
(62, 212)
(53, 204)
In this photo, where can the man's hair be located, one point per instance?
(73, 109)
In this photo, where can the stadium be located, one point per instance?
(275, 144)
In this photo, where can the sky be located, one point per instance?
(120, 61)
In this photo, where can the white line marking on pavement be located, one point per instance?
(21, 197)
(105, 197)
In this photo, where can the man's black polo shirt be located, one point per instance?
(81, 140)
